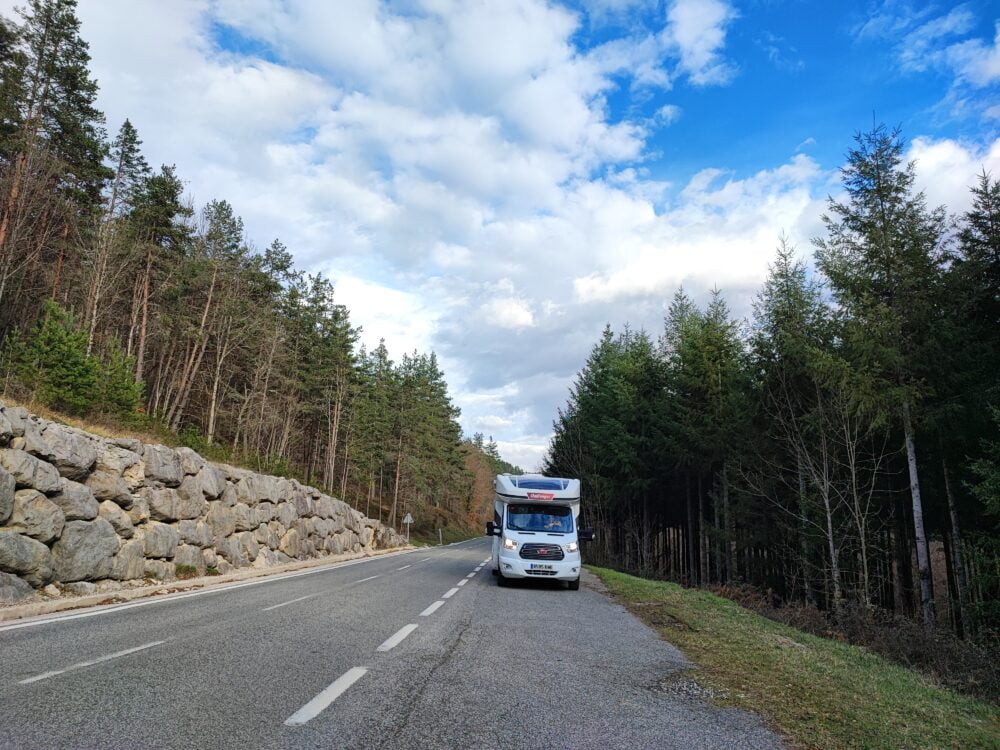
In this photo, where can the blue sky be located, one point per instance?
(498, 179)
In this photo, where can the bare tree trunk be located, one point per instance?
(961, 583)
(692, 562)
(703, 536)
(803, 525)
(140, 357)
(923, 556)
(395, 489)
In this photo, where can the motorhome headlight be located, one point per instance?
(572, 547)
(509, 544)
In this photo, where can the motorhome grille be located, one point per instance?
(541, 552)
(540, 572)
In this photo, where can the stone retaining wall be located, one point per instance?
(87, 513)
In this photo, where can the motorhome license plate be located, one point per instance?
(540, 566)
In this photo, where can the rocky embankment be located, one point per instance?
(88, 514)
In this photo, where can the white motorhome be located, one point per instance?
(535, 528)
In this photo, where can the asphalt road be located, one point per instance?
(412, 650)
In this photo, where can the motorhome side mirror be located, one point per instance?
(491, 529)
(586, 535)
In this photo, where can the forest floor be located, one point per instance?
(821, 692)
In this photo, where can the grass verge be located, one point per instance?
(823, 693)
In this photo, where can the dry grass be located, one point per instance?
(822, 692)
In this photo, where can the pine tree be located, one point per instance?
(883, 257)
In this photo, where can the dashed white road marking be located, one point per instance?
(291, 601)
(333, 691)
(92, 662)
(472, 574)
(369, 578)
(432, 609)
(462, 582)
(424, 560)
(201, 592)
(451, 593)
(397, 638)
(403, 568)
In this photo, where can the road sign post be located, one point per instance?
(408, 520)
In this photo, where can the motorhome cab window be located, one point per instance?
(554, 519)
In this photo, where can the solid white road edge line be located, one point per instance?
(462, 582)
(369, 578)
(397, 638)
(432, 609)
(92, 662)
(403, 568)
(451, 593)
(290, 601)
(336, 688)
(201, 592)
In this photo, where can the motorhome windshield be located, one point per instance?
(556, 519)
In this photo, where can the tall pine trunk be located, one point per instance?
(920, 537)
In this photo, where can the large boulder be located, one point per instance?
(6, 429)
(107, 485)
(16, 416)
(118, 518)
(221, 519)
(255, 488)
(122, 462)
(191, 556)
(291, 543)
(246, 519)
(139, 512)
(167, 504)
(7, 488)
(266, 536)
(70, 451)
(265, 512)
(209, 481)
(197, 533)
(158, 539)
(26, 557)
(162, 465)
(36, 516)
(228, 496)
(76, 501)
(303, 505)
(14, 589)
(30, 472)
(130, 562)
(229, 549)
(325, 507)
(287, 514)
(191, 462)
(85, 551)
(249, 548)
(159, 569)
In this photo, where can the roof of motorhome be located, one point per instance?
(539, 483)
(537, 487)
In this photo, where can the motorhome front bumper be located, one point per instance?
(513, 566)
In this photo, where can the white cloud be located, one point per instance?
(697, 28)
(668, 114)
(507, 312)
(947, 169)
(977, 62)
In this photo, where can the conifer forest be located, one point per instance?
(838, 449)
